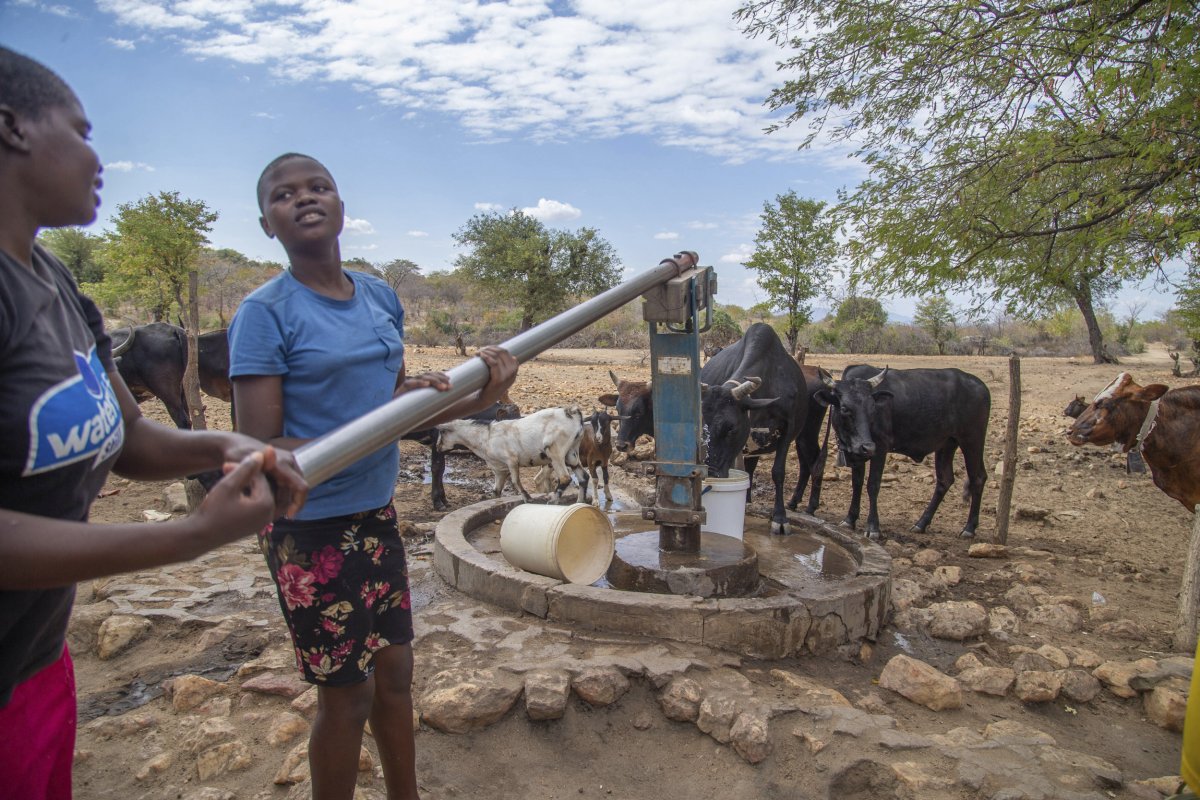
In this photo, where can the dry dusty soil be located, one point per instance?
(1102, 533)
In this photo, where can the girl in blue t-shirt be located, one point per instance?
(316, 347)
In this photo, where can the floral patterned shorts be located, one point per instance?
(343, 589)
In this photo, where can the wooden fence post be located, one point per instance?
(1184, 637)
(1004, 501)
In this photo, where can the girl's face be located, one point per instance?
(66, 168)
(301, 204)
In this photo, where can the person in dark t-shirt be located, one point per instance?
(67, 420)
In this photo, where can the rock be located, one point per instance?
(286, 726)
(208, 734)
(1002, 622)
(1084, 659)
(1054, 656)
(958, 620)
(921, 683)
(210, 793)
(1116, 675)
(118, 632)
(275, 659)
(287, 685)
(749, 736)
(872, 703)
(1166, 669)
(917, 780)
(600, 686)
(947, 576)
(1058, 617)
(967, 661)
(1036, 686)
(1123, 629)
(927, 557)
(85, 625)
(813, 744)
(175, 496)
(190, 691)
(643, 721)
(1008, 731)
(155, 766)
(987, 550)
(1033, 661)
(1095, 493)
(227, 757)
(1033, 514)
(461, 700)
(988, 680)
(809, 694)
(294, 768)
(546, 693)
(306, 704)
(1078, 685)
(680, 701)
(1023, 598)
(121, 726)
(906, 593)
(1165, 706)
(717, 715)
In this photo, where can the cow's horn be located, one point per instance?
(878, 379)
(615, 380)
(742, 390)
(124, 346)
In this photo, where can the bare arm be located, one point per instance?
(41, 552)
(502, 372)
(158, 452)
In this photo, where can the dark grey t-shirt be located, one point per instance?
(60, 433)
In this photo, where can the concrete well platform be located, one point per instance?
(796, 613)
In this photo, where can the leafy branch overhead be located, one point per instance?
(1016, 150)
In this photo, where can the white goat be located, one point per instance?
(547, 437)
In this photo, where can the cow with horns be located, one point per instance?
(152, 358)
(1163, 425)
(913, 412)
(753, 383)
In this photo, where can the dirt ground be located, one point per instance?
(1108, 535)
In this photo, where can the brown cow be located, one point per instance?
(1164, 425)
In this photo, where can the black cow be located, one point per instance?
(634, 404)
(437, 456)
(914, 412)
(151, 359)
(757, 363)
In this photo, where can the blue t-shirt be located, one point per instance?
(338, 359)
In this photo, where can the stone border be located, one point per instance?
(814, 620)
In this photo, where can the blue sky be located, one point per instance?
(641, 119)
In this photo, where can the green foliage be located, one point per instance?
(148, 254)
(1187, 305)
(793, 255)
(858, 324)
(524, 265)
(935, 316)
(77, 249)
(724, 330)
(1026, 151)
(359, 264)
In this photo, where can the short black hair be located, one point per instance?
(275, 162)
(29, 88)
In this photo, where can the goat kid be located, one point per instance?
(549, 437)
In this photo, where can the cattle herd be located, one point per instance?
(756, 400)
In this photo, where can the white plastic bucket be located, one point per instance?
(572, 543)
(724, 501)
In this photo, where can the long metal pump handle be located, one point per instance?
(323, 458)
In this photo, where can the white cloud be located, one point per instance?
(265, 115)
(552, 211)
(696, 225)
(122, 44)
(679, 72)
(485, 207)
(363, 247)
(418, 234)
(666, 235)
(128, 166)
(358, 227)
(49, 8)
(740, 255)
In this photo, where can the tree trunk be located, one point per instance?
(191, 374)
(1082, 292)
(1184, 636)
(1009, 476)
